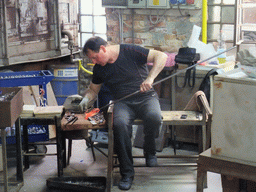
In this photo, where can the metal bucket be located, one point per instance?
(65, 81)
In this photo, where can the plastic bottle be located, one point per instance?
(221, 47)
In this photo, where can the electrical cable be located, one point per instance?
(158, 20)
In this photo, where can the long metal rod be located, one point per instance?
(170, 76)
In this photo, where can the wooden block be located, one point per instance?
(28, 110)
(48, 111)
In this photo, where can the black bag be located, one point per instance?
(187, 56)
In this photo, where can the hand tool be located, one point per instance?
(166, 78)
(71, 118)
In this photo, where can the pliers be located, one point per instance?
(71, 119)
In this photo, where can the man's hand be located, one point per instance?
(84, 104)
(146, 85)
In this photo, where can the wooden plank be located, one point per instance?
(48, 111)
(35, 92)
(28, 97)
(51, 99)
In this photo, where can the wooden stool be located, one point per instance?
(78, 130)
(77, 135)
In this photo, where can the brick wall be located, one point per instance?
(168, 31)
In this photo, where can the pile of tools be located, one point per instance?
(71, 118)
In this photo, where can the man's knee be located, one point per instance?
(153, 118)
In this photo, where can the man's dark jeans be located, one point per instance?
(146, 107)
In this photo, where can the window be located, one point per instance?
(92, 18)
(237, 18)
(221, 17)
(246, 22)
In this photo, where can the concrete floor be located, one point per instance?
(162, 179)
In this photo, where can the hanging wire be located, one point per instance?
(158, 20)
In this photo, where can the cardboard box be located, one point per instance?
(10, 108)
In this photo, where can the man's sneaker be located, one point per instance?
(151, 160)
(125, 183)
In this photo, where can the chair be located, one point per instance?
(197, 112)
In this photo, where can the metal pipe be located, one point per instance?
(120, 17)
(204, 21)
(132, 26)
(68, 33)
(70, 41)
(4, 158)
(57, 25)
(5, 38)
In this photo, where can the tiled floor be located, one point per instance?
(161, 179)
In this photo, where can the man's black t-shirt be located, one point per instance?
(126, 74)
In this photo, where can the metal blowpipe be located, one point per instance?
(170, 76)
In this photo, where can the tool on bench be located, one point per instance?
(94, 116)
(71, 119)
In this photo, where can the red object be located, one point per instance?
(190, 2)
(92, 113)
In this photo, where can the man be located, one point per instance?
(123, 69)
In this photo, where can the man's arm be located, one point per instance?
(158, 59)
(92, 91)
(90, 96)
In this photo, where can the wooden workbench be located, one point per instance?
(80, 124)
(223, 165)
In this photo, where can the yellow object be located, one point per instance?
(222, 60)
(155, 2)
(204, 21)
(85, 70)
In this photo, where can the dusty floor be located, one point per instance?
(161, 179)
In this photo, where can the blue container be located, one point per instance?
(36, 133)
(64, 82)
(174, 2)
